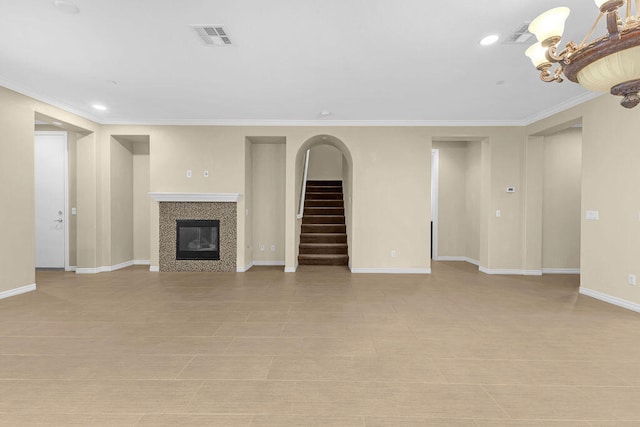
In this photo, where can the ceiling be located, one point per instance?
(362, 61)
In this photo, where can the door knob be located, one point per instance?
(58, 220)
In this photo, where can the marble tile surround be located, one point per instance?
(225, 212)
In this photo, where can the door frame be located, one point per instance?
(65, 166)
(435, 167)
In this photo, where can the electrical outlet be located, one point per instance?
(631, 279)
(189, 174)
(498, 213)
(261, 247)
(393, 253)
(592, 215)
(273, 248)
(206, 174)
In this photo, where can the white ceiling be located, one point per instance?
(364, 61)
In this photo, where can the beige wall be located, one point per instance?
(347, 188)
(452, 195)
(121, 215)
(268, 202)
(473, 200)
(141, 202)
(561, 200)
(610, 246)
(17, 262)
(325, 163)
(459, 189)
(248, 213)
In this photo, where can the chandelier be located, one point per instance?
(608, 63)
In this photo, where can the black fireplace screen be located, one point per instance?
(197, 239)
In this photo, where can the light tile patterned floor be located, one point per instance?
(320, 347)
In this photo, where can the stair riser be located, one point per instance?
(324, 196)
(319, 238)
(324, 250)
(324, 183)
(323, 203)
(328, 228)
(306, 260)
(323, 219)
(324, 211)
(314, 189)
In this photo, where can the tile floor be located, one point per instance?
(320, 347)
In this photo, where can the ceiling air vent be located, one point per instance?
(213, 35)
(519, 36)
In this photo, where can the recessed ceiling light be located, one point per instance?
(99, 107)
(490, 39)
(66, 7)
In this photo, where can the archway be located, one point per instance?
(301, 164)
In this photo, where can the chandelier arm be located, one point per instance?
(547, 76)
(590, 33)
(552, 55)
(612, 25)
(557, 76)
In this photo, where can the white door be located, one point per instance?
(50, 194)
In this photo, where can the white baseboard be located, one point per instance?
(458, 258)
(154, 268)
(392, 270)
(17, 291)
(290, 269)
(560, 271)
(515, 272)
(532, 272)
(70, 268)
(141, 262)
(243, 269)
(105, 269)
(520, 272)
(121, 265)
(81, 270)
(610, 299)
(269, 263)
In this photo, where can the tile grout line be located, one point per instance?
(495, 401)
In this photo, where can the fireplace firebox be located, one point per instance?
(197, 239)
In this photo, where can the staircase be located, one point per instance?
(323, 239)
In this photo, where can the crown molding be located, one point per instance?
(315, 123)
(55, 102)
(563, 106)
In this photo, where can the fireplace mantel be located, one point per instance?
(195, 197)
